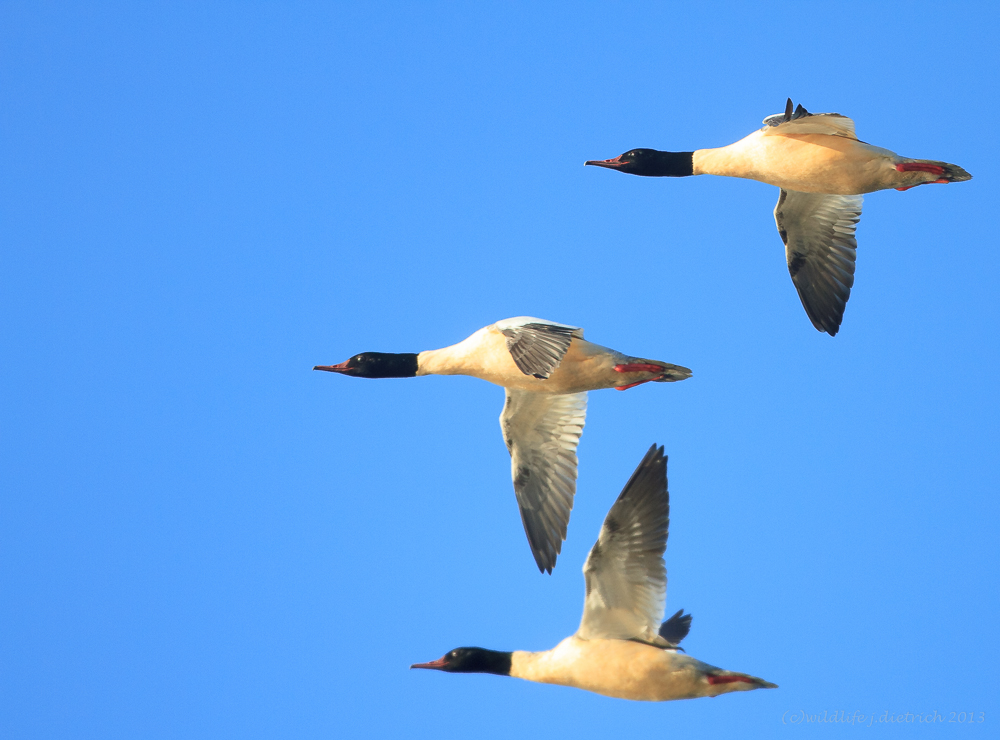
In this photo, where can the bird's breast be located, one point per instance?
(617, 668)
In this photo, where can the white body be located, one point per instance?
(623, 669)
(809, 163)
(585, 366)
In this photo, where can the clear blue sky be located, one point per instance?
(202, 538)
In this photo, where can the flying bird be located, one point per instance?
(621, 649)
(822, 169)
(546, 369)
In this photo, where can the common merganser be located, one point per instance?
(547, 369)
(822, 169)
(621, 649)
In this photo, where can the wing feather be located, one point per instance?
(802, 121)
(542, 432)
(676, 628)
(536, 345)
(625, 573)
(820, 249)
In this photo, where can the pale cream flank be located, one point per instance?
(809, 163)
(622, 669)
(585, 366)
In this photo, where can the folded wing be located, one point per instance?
(542, 432)
(625, 573)
(820, 248)
(801, 121)
(536, 345)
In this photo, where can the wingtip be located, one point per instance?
(545, 562)
(829, 324)
(653, 452)
(655, 456)
(825, 324)
(676, 628)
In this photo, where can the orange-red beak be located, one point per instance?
(609, 163)
(339, 368)
(437, 665)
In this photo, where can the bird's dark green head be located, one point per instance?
(650, 163)
(471, 660)
(376, 365)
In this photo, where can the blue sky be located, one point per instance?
(201, 537)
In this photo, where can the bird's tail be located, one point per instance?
(950, 172)
(739, 681)
(673, 373)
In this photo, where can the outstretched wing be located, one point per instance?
(820, 247)
(801, 121)
(536, 345)
(625, 573)
(542, 432)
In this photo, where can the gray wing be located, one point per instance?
(625, 573)
(542, 432)
(537, 346)
(818, 232)
(801, 121)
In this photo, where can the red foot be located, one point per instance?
(630, 385)
(638, 368)
(932, 182)
(920, 167)
(728, 679)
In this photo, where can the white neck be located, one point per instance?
(483, 355)
(546, 666)
(736, 160)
